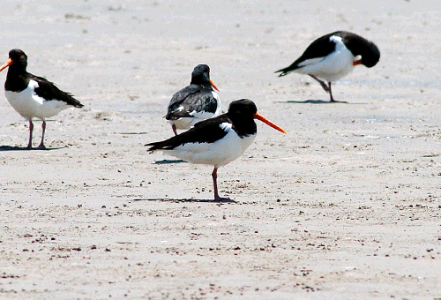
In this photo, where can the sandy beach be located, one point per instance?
(345, 206)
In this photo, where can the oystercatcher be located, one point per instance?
(334, 56)
(217, 141)
(32, 96)
(194, 103)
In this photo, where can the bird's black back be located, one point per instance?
(322, 46)
(207, 131)
(318, 48)
(192, 98)
(50, 91)
(240, 115)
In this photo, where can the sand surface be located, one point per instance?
(345, 206)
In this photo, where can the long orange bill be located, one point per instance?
(268, 122)
(7, 64)
(356, 62)
(214, 86)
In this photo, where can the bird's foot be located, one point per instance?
(42, 147)
(217, 198)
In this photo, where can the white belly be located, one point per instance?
(30, 105)
(187, 123)
(332, 67)
(218, 153)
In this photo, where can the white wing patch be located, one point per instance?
(311, 61)
(226, 126)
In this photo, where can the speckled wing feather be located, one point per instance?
(191, 99)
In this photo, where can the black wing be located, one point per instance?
(49, 91)
(207, 131)
(321, 47)
(189, 99)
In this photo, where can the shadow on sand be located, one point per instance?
(169, 161)
(188, 200)
(16, 148)
(315, 101)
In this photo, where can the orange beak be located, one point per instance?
(214, 86)
(357, 62)
(7, 64)
(268, 122)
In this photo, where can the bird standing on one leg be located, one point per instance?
(194, 103)
(217, 141)
(334, 56)
(32, 96)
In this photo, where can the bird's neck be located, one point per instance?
(205, 84)
(243, 126)
(17, 79)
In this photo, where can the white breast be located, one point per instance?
(219, 153)
(332, 67)
(28, 104)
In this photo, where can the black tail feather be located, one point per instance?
(283, 73)
(78, 104)
(167, 144)
(153, 146)
(288, 69)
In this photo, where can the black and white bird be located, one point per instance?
(32, 96)
(194, 103)
(334, 56)
(217, 141)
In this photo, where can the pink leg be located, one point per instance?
(216, 194)
(31, 129)
(174, 129)
(327, 88)
(330, 92)
(322, 83)
(43, 126)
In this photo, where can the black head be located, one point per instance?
(201, 75)
(358, 45)
(17, 54)
(243, 112)
(370, 55)
(243, 108)
(17, 59)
